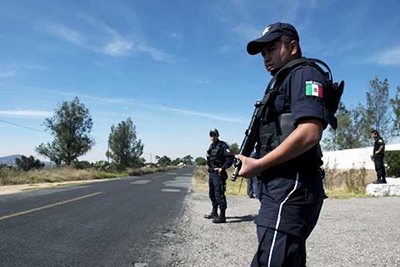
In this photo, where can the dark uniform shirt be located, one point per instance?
(378, 143)
(304, 94)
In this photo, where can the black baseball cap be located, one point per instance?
(271, 33)
(214, 132)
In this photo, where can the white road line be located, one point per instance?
(141, 182)
(170, 190)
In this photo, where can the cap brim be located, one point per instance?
(257, 45)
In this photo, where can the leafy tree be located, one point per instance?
(200, 161)
(234, 148)
(164, 161)
(70, 125)
(377, 113)
(28, 163)
(176, 161)
(187, 160)
(125, 149)
(350, 132)
(395, 102)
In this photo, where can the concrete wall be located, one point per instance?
(349, 158)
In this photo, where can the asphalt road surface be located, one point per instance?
(124, 222)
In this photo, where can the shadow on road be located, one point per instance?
(239, 219)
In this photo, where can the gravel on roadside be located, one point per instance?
(352, 232)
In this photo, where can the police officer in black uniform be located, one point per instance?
(219, 158)
(288, 145)
(377, 156)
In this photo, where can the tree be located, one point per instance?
(200, 161)
(164, 161)
(377, 113)
(176, 161)
(125, 149)
(70, 125)
(234, 148)
(28, 163)
(395, 102)
(187, 160)
(350, 132)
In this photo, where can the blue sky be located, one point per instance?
(177, 68)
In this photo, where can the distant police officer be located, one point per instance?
(288, 145)
(377, 156)
(219, 158)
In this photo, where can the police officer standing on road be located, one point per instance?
(288, 146)
(219, 158)
(377, 156)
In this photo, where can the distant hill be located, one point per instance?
(9, 160)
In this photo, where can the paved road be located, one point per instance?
(125, 222)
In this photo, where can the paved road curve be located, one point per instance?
(125, 222)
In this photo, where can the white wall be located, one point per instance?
(358, 157)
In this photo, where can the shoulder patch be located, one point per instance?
(314, 88)
(227, 150)
(380, 141)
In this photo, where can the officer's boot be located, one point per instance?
(212, 215)
(383, 180)
(221, 218)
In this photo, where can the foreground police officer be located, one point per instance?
(377, 156)
(288, 144)
(219, 158)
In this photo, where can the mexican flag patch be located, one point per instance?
(314, 89)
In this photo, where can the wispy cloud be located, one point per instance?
(203, 115)
(389, 57)
(118, 46)
(145, 106)
(26, 113)
(100, 38)
(247, 32)
(7, 74)
(63, 32)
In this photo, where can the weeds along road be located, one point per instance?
(115, 223)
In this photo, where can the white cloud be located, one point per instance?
(155, 54)
(205, 82)
(7, 74)
(26, 113)
(203, 115)
(118, 47)
(389, 57)
(63, 32)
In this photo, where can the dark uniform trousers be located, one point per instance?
(379, 168)
(217, 186)
(290, 207)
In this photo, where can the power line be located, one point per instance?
(22, 126)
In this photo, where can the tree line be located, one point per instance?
(71, 126)
(380, 112)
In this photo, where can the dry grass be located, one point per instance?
(337, 183)
(200, 182)
(65, 174)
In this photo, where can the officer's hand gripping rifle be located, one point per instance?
(249, 140)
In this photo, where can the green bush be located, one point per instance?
(392, 161)
(200, 161)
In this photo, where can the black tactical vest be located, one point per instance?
(215, 155)
(277, 125)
